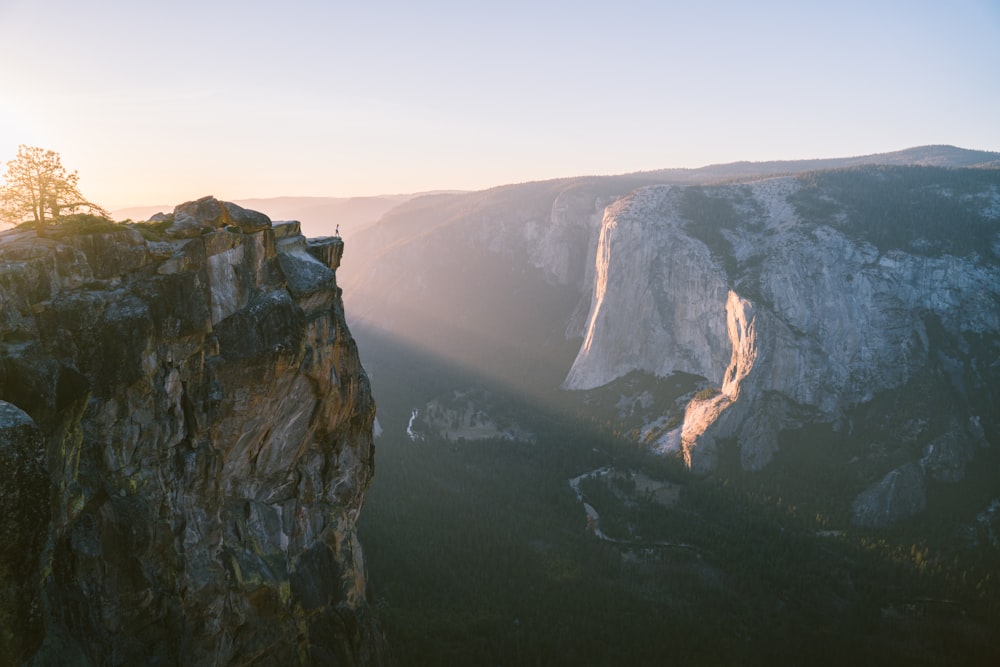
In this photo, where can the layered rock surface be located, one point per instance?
(202, 427)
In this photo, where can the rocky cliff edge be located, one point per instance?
(186, 435)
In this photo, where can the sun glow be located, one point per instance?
(156, 109)
(14, 130)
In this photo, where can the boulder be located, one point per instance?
(898, 495)
(208, 214)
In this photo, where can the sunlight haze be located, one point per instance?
(451, 333)
(161, 103)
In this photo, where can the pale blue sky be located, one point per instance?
(157, 103)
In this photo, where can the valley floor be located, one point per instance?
(481, 552)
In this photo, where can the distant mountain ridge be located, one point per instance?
(320, 215)
(924, 156)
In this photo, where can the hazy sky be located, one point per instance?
(161, 102)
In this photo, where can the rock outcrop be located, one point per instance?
(898, 495)
(797, 320)
(189, 431)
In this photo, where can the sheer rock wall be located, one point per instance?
(794, 321)
(204, 424)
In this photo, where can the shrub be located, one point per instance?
(81, 223)
(153, 230)
(706, 393)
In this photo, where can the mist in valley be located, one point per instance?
(517, 520)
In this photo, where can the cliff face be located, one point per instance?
(863, 298)
(798, 319)
(190, 431)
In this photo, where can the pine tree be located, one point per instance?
(37, 187)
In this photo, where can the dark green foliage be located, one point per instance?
(152, 230)
(480, 553)
(707, 215)
(923, 210)
(75, 224)
(89, 223)
(629, 404)
(706, 393)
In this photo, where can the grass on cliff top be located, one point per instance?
(87, 223)
(152, 230)
(69, 225)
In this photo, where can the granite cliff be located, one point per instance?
(800, 300)
(186, 431)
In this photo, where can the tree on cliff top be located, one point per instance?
(37, 187)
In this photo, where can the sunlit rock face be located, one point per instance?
(204, 424)
(795, 319)
(643, 290)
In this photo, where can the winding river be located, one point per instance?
(594, 519)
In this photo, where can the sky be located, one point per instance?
(163, 102)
